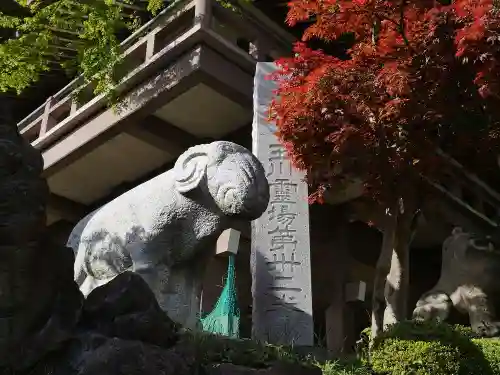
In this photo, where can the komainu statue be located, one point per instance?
(469, 282)
(162, 228)
(48, 328)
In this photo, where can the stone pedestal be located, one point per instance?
(281, 264)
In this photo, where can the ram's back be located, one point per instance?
(132, 218)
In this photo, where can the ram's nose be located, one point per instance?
(247, 174)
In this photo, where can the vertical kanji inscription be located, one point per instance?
(282, 299)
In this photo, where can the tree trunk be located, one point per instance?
(381, 272)
(390, 291)
(397, 281)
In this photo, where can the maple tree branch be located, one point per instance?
(402, 22)
(400, 25)
(375, 29)
(388, 19)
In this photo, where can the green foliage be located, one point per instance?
(23, 60)
(220, 349)
(409, 348)
(79, 36)
(491, 352)
(413, 348)
(340, 368)
(210, 348)
(362, 346)
(154, 6)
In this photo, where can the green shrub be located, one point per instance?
(409, 348)
(416, 348)
(491, 352)
(340, 368)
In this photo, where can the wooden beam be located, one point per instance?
(140, 102)
(457, 213)
(163, 135)
(66, 208)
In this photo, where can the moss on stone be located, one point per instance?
(243, 352)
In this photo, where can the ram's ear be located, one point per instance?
(191, 168)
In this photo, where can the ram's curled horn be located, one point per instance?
(190, 168)
(487, 246)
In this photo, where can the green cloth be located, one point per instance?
(225, 317)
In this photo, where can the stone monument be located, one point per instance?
(165, 228)
(281, 264)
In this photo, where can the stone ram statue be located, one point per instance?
(469, 282)
(165, 228)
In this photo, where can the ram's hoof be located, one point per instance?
(487, 329)
(433, 307)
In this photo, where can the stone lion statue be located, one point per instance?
(469, 282)
(160, 227)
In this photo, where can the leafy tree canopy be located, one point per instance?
(421, 74)
(77, 35)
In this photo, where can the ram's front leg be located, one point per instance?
(433, 305)
(182, 301)
(157, 277)
(475, 302)
(176, 290)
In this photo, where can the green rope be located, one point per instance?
(225, 317)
